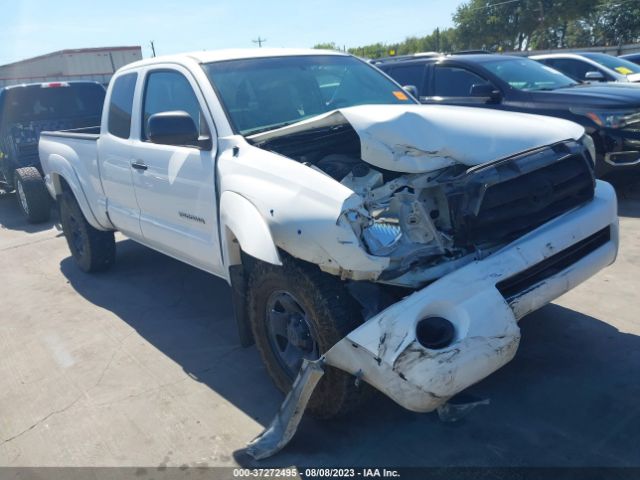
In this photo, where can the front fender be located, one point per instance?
(241, 222)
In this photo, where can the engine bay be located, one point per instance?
(429, 224)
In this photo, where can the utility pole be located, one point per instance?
(259, 41)
(153, 49)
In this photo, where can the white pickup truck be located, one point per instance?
(361, 233)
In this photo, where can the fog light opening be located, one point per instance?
(435, 332)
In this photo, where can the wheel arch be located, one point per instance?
(244, 236)
(59, 183)
(244, 230)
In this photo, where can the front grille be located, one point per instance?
(521, 195)
(515, 286)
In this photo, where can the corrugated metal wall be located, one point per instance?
(88, 64)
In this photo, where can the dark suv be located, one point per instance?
(27, 110)
(609, 113)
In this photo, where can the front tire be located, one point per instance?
(296, 311)
(93, 250)
(32, 195)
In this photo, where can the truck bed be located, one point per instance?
(75, 152)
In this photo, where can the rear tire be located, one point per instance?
(32, 195)
(329, 312)
(93, 250)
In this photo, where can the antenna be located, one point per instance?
(153, 49)
(259, 41)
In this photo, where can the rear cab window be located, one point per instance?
(53, 101)
(121, 105)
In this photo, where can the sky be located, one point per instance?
(36, 27)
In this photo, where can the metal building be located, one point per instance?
(96, 64)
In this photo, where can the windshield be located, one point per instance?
(525, 74)
(619, 65)
(261, 94)
(35, 103)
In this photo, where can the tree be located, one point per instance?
(326, 46)
(522, 25)
(618, 22)
(518, 25)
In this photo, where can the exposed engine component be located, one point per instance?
(429, 224)
(362, 179)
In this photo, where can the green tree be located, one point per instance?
(520, 25)
(326, 46)
(618, 22)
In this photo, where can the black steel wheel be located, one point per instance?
(92, 249)
(297, 312)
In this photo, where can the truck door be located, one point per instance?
(114, 153)
(175, 184)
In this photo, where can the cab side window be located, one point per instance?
(121, 105)
(409, 75)
(168, 91)
(571, 67)
(454, 81)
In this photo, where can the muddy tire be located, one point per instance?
(318, 312)
(32, 195)
(92, 249)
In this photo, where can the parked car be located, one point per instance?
(631, 57)
(26, 110)
(359, 230)
(592, 66)
(609, 113)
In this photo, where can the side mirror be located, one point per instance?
(173, 128)
(411, 90)
(595, 76)
(485, 90)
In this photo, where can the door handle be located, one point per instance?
(139, 165)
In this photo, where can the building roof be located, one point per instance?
(71, 52)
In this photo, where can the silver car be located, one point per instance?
(592, 66)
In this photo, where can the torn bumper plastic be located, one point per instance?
(385, 351)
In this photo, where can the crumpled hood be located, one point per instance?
(422, 138)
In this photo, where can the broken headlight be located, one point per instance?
(382, 237)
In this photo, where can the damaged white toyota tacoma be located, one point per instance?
(367, 239)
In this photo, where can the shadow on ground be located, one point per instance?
(570, 397)
(12, 218)
(628, 192)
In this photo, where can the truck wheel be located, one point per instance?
(92, 249)
(32, 195)
(296, 311)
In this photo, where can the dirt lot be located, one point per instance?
(141, 366)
